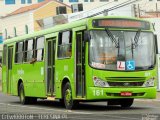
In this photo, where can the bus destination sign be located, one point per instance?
(121, 23)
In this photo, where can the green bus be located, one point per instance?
(94, 59)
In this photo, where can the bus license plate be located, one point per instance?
(126, 94)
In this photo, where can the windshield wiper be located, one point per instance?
(135, 44)
(112, 37)
(136, 39)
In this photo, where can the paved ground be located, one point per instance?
(43, 110)
(158, 96)
(142, 109)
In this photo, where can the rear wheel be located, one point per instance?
(126, 103)
(67, 96)
(23, 99)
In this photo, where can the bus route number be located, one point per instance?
(98, 92)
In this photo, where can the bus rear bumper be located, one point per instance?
(113, 93)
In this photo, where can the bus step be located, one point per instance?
(51, 98)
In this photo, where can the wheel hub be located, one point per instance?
(68, 96)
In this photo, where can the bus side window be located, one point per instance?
(19, 52)
(28, 50)
(39, 51)
(65, 44)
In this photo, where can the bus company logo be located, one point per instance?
(126, 84)
(120, 65)
(20, 72)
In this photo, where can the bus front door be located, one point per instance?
(9, 68)
(80, 65)
(50, 65)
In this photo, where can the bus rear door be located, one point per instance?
(50, 64)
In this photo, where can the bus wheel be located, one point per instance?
(67, 92)
(23, 99)
(126, 103)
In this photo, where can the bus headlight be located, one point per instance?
(149, 83)
(100, 83)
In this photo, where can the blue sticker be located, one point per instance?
(130, 65)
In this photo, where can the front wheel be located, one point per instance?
(67, 96)
(126, 103)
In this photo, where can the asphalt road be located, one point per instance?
(44, 110)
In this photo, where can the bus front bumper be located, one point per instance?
(94, 93)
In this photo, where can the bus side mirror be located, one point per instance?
(33, 60)
(156, 43)
(86, 36)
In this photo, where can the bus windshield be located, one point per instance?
(107, 48)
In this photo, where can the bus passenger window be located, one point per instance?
(28, 50)
(40, 48)
(19, 52)
(65, 44)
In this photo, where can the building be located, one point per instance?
(24, 20)
(8, 6)
(146, 5)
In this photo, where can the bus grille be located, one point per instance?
(126, 84)
(125, 78)
(125, 81)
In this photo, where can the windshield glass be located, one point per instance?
(122, 50)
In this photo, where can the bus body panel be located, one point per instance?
(32, 76)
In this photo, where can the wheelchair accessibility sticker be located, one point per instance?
(130, 65)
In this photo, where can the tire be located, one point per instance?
(126, 103)
(67, 96)
(23, 99)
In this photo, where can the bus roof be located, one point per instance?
(64, 27)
